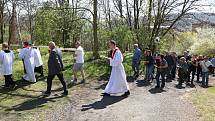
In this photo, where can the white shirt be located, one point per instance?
(79, 55)
(37, 58)
(7, 60)
(205, 64)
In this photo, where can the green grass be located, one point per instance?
(204, 100)
(25, 103)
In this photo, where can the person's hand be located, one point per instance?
(145, 62)
(18, 50)
(74, 55)
(108, 58)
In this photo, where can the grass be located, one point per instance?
(204, 100)
(25, 103)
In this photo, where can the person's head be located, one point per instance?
(77, 44)
(112, 44)
(206, 58)
(162, 56)
(182, 59)
(188, 52)
(5, 46)
(26, 44)
(200, 57)
(148, 53)
(51, 45)
(194, 57)
(135, 46)
(167, 53)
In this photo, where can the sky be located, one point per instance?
(207, 6)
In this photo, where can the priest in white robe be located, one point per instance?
(38, 62)
(6, 60)
(117, 83)
(27, 54)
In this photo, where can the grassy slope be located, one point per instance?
(26, 102)
(204, 100)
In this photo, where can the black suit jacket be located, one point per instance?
(55, 63)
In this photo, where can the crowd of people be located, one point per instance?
(33, 64)
(166, 66)
(159, 67)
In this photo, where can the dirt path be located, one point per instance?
(144, 104)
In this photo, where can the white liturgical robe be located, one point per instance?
(37, 58)
(7, 59)
(27, 54)
(117, 83)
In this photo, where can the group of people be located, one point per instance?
(32, 64)
(165, 67)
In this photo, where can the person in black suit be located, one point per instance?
(55, 67)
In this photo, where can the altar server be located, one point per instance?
(27, 54)
(117, 83)
(6, 60)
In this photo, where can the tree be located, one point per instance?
(165, 13)
(13, 26)
(2, 6)
(95, 28)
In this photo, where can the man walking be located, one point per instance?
(55, 67)
(199, 68)
(136, 60)
(170, 62)
(162, 66)
(205, 64)
(79, 64)
(149, 62)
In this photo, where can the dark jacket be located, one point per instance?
(55, 64)
(169, 60)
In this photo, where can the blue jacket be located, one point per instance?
(137, 55)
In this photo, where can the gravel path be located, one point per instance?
(144, 104)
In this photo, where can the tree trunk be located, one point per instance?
(1, 21)
(128, 15)
(13, 27)
(95, 36)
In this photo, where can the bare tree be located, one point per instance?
(166, 13)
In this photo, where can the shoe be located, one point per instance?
(6, 87)
(163, 85)
(126, 93)
(83, 81)
(46, 93)
(74, 81)
(13, 86)
(24, 79)
(157, 86)
(105, 94)
(65, 93)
